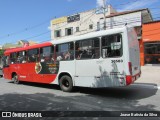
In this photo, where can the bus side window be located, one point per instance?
(87, 49)
(13, 58)
(65, 51)
(71, 51)
(96, 48)
(21, 57)
(111, 46)
(46, 54)
(78, 50)
(58, 53)
(33, 55)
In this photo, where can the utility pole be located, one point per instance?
(104, 13)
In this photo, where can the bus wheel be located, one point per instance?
(66, 83)
(15, 79)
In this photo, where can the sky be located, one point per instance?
(30, 19)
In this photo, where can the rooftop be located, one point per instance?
(146, 15)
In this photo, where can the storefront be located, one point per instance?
(150, 43)
(152, 52)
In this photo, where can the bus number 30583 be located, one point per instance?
(117, 61)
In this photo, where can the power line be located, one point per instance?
(132, 20)
(110, 28)
(25, 29)
(127, 2)
(29, 28)
(53, 29)
(37, 35)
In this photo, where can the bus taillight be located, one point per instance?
(128, 79)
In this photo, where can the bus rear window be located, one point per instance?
(111, 46)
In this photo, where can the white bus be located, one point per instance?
(106, 58)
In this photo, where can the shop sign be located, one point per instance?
(59, 20)
(73, 18)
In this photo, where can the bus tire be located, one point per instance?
(66, 83)
(15, 79)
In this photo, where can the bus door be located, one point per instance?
(6, 70)
(32, 58)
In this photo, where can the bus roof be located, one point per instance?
(27, 48)
(90, 35)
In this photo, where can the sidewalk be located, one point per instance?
(150, 74)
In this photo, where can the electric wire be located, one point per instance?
(29, 28)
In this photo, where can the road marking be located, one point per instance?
(158, 87)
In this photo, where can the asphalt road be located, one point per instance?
(43, 97)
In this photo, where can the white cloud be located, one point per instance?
(49, 28)
(100, 2)
(137, 5)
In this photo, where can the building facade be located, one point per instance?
(80, 23)
(93, 20)
(150, 43)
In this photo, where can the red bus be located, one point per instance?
(25, 64)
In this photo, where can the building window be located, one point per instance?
(91, 26)
(57, 33)
(69, 31)
(98, 26)
(77, 29)
(152, 52)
